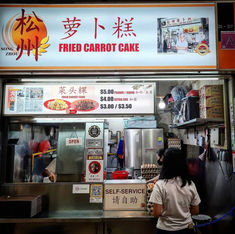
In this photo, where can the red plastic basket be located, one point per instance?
(117, 175)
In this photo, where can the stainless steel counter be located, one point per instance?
(126, 215)
(81, 216)
(65, 212)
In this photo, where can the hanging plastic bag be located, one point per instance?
(178, 92)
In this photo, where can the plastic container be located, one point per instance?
(193, 93)
(105, 175)
(203, 219)
(117, 175)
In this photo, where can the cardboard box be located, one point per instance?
(140, 124)
(211, 90)
(216, 112)
(211, 101)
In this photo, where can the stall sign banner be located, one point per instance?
(124, 196)
(228, 40)
(73, 141)
(108, 36)
(84, 98)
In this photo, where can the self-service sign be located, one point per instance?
(121, 196)
(94, 171)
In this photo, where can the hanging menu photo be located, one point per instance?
(79, 99)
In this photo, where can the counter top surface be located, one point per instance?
(125, 181)
(111, 214)
(81, 216)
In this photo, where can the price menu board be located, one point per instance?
(34, 99)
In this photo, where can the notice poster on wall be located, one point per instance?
(79, 99)
(94, 171)
(108, 36)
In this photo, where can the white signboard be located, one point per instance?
(120, 36)
(124, 196)
(73, 141)
(79, 99)
(81, 188)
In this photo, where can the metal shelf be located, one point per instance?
(198, 122)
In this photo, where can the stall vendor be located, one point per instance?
(182, 44)
(160, 157)
(39, 167)
(50, 171)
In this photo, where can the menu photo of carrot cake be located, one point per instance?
(85, 105)
(57, 104)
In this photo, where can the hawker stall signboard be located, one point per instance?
(79, 99)
(107, 36)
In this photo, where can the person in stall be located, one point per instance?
(159, 156)
(49, 171)
(197, 172)
(39, 167)
(40, 171)
(182, 44)
(174, 196)
(35, 139)
(25, 136)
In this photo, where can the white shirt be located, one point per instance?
(176, 202)
(52, 166)
(181, 44)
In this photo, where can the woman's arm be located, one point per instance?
(194, 210)
(157, 210)
(153, 180)
(50, 175)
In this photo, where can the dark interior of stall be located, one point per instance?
(212, 173)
